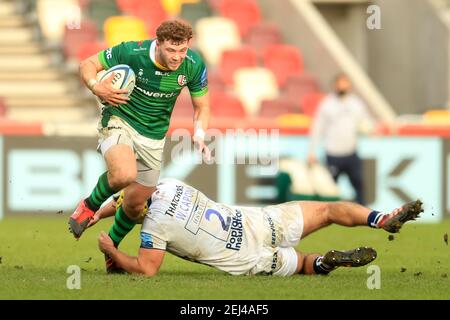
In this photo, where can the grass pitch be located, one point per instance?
(35, 253)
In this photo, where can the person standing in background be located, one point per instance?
(340, 117)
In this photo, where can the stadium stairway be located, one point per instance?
(33, 82)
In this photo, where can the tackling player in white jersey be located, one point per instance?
(245, 240)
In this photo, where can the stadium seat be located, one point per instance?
(49, 114)
(127, 6)
(245, 13)
(234, 59)
(100, 10)
(215, 5)
(299, 85)
(3, 107)
(262, 35)
(84, 4)
(253, 85)
(277, 107)
(151, 12)
(173, 7)
(215, 81)
(54, 16)
(89, 48)
(310, 102)
(437, 117)
(192, 12)
(224, 105)
(294, 120)
(183, 107)
(214, 35)
(124, 28)
(75, 38)
(283, 61)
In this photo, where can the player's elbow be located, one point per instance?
(90, 63)
(149, 273)
(147, 270)
(83, 64)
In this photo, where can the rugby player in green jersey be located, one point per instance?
(132, 129)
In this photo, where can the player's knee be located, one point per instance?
(133, 208)
(121, 179)
(323, 211)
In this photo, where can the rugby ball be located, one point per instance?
(124, 77)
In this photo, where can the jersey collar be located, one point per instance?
(153, 56)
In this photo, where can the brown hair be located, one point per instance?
(174, 30)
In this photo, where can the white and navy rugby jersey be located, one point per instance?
(183, 221)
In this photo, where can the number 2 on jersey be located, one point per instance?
(211, 225)
(225, 226)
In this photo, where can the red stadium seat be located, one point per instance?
(150, 11)
(310, 102)
(277, 107)
(88, 49)
(73, 39)
(84, 4)
(127, 6)
(283, 61)
(236, 59)
(3, 107)
(263, 35)
(245, 13)
(215, 4)
(224, 105)
(299, 85)
(183, 107)
(215, 81)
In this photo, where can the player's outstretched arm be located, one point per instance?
(106, 211)
(147, 262)
(201, 122)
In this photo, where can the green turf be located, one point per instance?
(36, 252)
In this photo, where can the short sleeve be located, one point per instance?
(198, 86)
(151, 241)
(113, 56)
(152, 235)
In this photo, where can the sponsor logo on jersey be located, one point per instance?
(235, 240)
(182, 203)
(274, 262)
(146, 240)
(174, 203)
(182, 80)
(141, 72)
(198, 209)
(108, 53)
(272, 229)
(162, 73)
(185, 204)
(157, 94)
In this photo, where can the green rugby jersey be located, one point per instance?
(151, 103)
